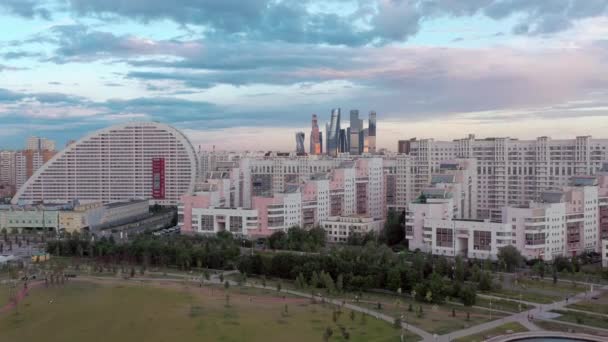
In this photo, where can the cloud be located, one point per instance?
(20, 54)
(26, 8)
(9, 68)
(350, 23)
(79, 43)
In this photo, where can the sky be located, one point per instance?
(248, 74)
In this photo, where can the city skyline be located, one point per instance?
(492, 68)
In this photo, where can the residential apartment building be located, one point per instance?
(511, 171)
(339, 228)
(145, 160)
(288, 190)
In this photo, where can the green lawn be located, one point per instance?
(582, 318)
(4, 293)
(590, 306)
(503, 305)
(436, 319)
(507, 328)
(553, 326)
(560, 288)
(82, 311)
(525, 296)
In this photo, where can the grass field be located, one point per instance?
(590, 306)
(503, 305)
(435, 319)
(582, 318)
(553, 326)
(82, 311)
(4, 293)
(525, 296)
(559, 288)
(507, 328)
(599, 305)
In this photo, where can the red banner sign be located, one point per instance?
(158, 178)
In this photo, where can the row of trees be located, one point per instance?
(185, 252)
(428, 278)
(298, 239)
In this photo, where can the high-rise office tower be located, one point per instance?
(372, 132)
(333, 133)
(321, 142)
(343, 141)
(356, 125)
(300, 143)
(316, 142)
(364, 140)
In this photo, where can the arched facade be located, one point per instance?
(146, 160)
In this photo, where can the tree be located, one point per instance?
(300, 281)
(459, 271)
(328, 282)
(475, 273)
(393, 281)
(420, 312)
(487, 264)
(485, 281)
(340, 283)
(510, 257)
(397, 323)
(436, 288)
(576, 267)
(554, 275)
(468, 296)
(539, 268)
(394, 231)
(327, 334)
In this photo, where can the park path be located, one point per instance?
(341, 303)
(521, 318)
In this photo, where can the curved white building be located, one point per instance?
(145, 160)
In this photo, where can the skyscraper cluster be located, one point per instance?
(354, 140)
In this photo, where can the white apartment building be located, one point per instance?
(562, 222)
(339, 228)
(7, 167)
(213, 220)
(40, 144)
(143, 160)
(510, 171)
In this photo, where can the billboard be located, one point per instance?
(158, 178)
